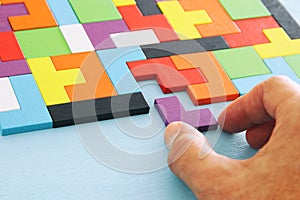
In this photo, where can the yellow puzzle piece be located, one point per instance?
(280, 44)
(183, 22)
(51, 82)
(124, 2)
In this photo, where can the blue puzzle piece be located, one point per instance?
(33, 114)
(114, 62)
(278, 66)
(63, 12)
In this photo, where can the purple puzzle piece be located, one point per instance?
(171, 110)
(13, 68)
(99, 32)
(10, 10)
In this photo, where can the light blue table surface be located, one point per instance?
(58, 164)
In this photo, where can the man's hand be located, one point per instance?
(271, 115)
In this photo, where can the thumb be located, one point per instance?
(192, 159)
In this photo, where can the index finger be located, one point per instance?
(274, 98)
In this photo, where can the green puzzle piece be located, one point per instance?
(95, 10)
(42, 42)
(241, 62)
(294, 63)
(245, 9)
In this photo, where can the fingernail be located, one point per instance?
(171, 133)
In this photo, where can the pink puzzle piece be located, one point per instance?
(99, 32)
(171, 110)
(8, 11)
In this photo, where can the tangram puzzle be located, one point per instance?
(74, 61)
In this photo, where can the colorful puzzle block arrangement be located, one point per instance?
(64, 62)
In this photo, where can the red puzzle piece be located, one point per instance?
(165, 72)
(9, 47)
(136, 21)
(251, 32)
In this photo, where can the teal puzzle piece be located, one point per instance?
(63, 12)
(115, 64)
(33, 114)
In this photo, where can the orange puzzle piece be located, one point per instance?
(98, 84)
(218, 87)
(39, 16)
(222, 23)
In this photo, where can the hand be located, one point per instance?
(271, 115)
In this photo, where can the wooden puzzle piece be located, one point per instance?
(98, 109)
(114, 62)
(33, 114)
(42, 42)
(164, 71)
(277, 66)
(251, 32)
(134, 38)
(245, 9)
(76, 37)
(14, 68)
(97, 83)
(241, 62)
(62, 12)
(89, 11)
(293, 62)
(52, 82)
(148, 7)
(158, 23)
(8, 99)
(283, 17)
(99, 32)
(280, 44)
(221, 24)
(11, 58)
(184, 46)
(124, 2)
(218, 87)
(171, 110)
(183, 22)
(9, 47)
(10, 10)
(39, 16)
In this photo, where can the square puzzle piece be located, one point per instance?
(89, 11)
(238, 9)
(42, 42)
(241, 62)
